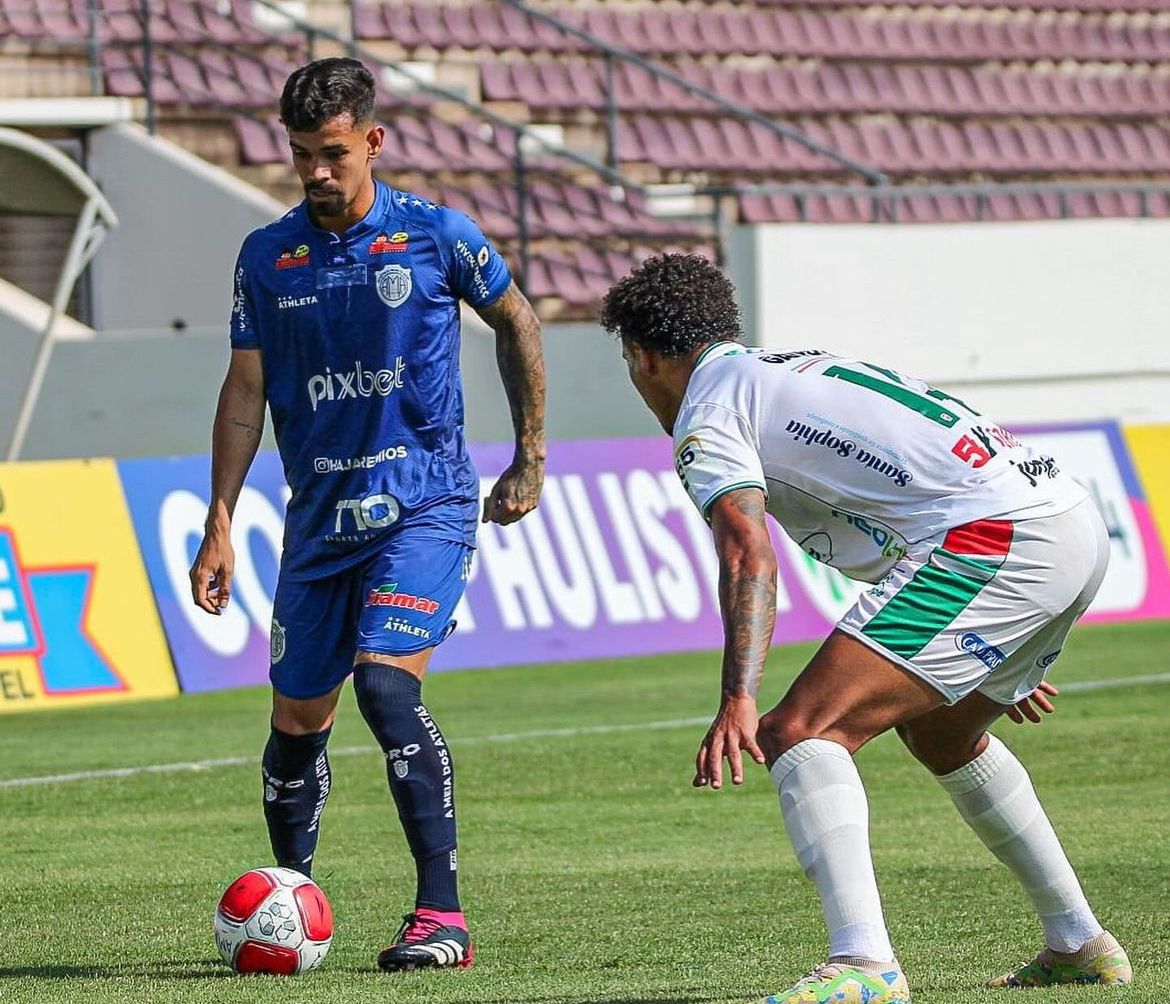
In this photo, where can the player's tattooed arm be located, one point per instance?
(239, 424)
(747, 587)
(747, 599)
(521, 364)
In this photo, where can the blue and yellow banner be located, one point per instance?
(78, 623)
(1150, 446)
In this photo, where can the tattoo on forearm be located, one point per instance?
(747, 597)
(518, 355)
(253, 430)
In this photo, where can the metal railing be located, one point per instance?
(887, 203)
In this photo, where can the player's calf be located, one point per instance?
(297, 779)
(421, 775)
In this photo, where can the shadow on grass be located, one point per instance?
(169, 969)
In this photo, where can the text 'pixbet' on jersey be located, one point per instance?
(358, 382)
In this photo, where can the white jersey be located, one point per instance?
(857, 461)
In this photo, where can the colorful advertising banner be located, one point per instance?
(77, 621)
(616, 561)
(1137, 584)
(168, 503)
(1149, 445)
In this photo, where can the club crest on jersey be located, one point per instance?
(276, 641)
(393, 284)
(289, 258)
(385, 245)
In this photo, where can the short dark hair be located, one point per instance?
(673, 304)
(323, 90)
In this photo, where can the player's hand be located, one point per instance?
(515, 492)
(211, 574)
(1031, 706)
(733, 730)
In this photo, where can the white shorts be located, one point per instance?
(987, 606)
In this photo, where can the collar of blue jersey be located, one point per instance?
(716, 350)
(367, 226)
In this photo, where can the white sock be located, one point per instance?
(827, 817)
(994, 794)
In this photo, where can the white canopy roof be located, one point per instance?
(37, 178)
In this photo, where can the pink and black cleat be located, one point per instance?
(428, 939)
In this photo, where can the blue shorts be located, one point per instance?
(397, 602)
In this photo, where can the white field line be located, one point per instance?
(243, 761)
(499, 737)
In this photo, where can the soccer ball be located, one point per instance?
(273, 920)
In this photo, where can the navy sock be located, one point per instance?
(296, 783)
(421, 776)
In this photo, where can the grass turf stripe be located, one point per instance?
(1075, 687)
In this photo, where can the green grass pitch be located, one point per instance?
(591, 870)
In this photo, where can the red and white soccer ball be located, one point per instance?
(273, 920)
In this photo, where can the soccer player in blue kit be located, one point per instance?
(345, 323)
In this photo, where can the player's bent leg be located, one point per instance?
(827, 818)
(297, 778)
(421, 776)
(996, 798)
(847, 695)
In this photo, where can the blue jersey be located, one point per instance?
(359, 336)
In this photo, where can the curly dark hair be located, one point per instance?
(325, 89)
(673, 304)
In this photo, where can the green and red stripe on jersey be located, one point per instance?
(955, 573)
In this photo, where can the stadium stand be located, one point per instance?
(928, 36)
(560, 87)
(1004, 91)
(927, 92)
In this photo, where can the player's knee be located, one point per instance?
(778, 732)
(382, 690)
(940, 752)
(916, 742)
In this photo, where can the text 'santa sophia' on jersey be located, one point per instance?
(359, 338)
(857, 460)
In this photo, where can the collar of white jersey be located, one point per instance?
(717, 350)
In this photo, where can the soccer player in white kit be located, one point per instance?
(982, 555)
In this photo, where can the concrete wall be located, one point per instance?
(22, 321)
(1029, 321)
(181, 223)
(589, 393)
(135, 396)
